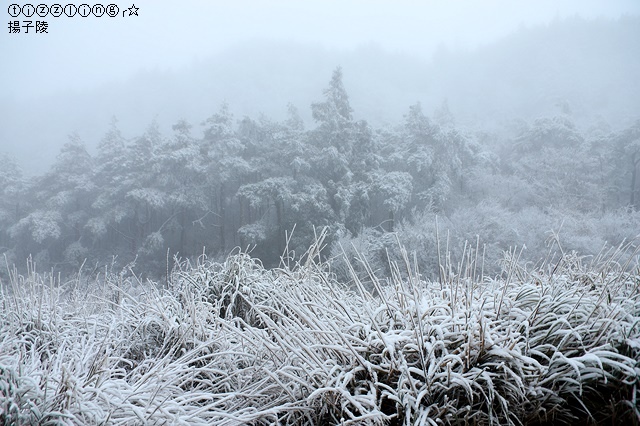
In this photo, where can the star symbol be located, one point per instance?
(133, 10)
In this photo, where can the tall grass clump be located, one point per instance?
(234, 343)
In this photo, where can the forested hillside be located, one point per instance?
(268, 185)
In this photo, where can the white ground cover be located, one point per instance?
(234, 343)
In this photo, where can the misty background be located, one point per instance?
(508, 120)
(491, 60)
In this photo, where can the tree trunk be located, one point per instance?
(182, 231)
(222, 217)
(242, 219)
(279, 215)
(634, 199)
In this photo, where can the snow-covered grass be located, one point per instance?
(233, 343)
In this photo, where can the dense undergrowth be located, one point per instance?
(234, 343)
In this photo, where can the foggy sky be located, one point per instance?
(82, 53)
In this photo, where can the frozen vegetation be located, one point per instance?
(235, 343)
